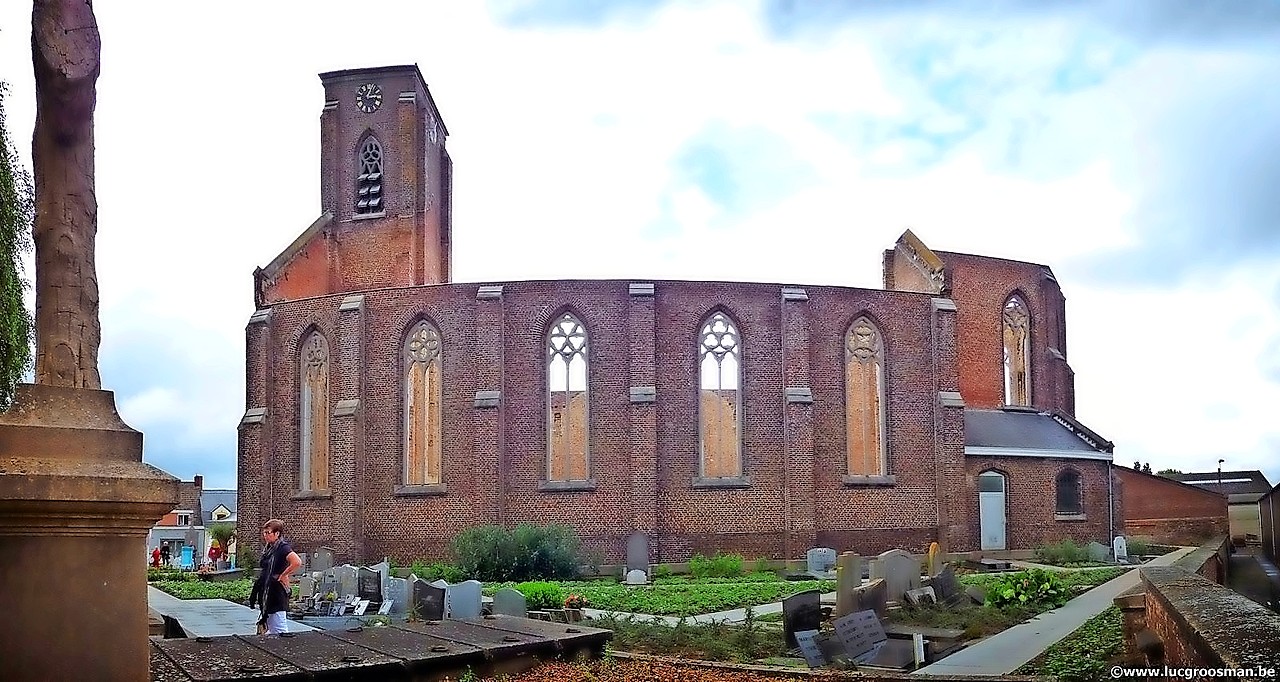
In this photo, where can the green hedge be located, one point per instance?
(526, 552)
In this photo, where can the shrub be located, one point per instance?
(496, 554)
(720, 566)
(1062, 553)
(1138, 547)
(540, 595)
(1034, 587)
(222, 532)
(438, 571)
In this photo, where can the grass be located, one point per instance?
(713, 641)
(1086, 654)
(683, 596)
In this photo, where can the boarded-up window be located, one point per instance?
(369, 179)
(1069, 493)
(423, 393)
(567, 401)
(720, 379)
(313, 410)
(1017, 352)
(864, 399)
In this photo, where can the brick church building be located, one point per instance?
(388, 407)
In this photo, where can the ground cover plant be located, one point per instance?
(717, 641)
(1066, 554)
(683, 596)
(618, 670)
(1086, 654)
(233, 590)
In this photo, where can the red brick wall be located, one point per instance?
(980, 286)
(1168, 511)
(1030, 499)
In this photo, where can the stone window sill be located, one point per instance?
(423, 490)
(567, 486)
(704, 483)
(313, 495)
(1069, 517)
(869, 481)
(368, 216)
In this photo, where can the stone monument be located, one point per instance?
(76, 501)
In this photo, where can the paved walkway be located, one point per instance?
(1008, 650)
(210, 617)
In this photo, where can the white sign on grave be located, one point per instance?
(808, 641)
(861, 634)
(385, 608)
(361, 607)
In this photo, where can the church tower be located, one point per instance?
(385, 191)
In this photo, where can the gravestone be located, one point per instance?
(397, 594)
(1097, 551)
(638, 553)
(900, 571)
(384, 571)
(510, 602)
(361, 607)
(934, 561)
(921, 596)
(848, 579)
(369, 584)
(462, 600)
(976, 594)
(873, 596)
(306, 587)
(801, 611)
(428, 599)
(347, 581)
(322, 559)
(637, 577)
(384, 608)
(1121, 548)
(860, 634)
(807, 640)
(821, 561)
(946, 585)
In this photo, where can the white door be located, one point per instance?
(991, 509)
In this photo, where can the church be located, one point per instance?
(389, 407)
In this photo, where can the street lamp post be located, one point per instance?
(1220, 475)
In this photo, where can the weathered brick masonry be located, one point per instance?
(364, 281)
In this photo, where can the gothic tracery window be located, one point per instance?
(567, 401)
(720, 380)
(865, 399)
(423, 392)
(1068, 490)
(369, 180)
(1017, 352)
(313, 410)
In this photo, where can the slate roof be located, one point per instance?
(209, 501)
(1238, 486)
(1029, 429)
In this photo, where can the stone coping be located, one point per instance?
(1225, 627)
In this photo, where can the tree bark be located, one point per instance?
(66, 51)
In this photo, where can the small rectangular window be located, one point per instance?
(990, 484)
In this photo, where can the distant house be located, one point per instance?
(1166, 511)
(1243, 490)
(184, 525)
(217, 506)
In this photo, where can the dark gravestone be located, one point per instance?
(861, 634)
(946, 586)
(801, 611)
(638, 552)
(369, 585)
(428, 600)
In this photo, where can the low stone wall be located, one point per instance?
(1177, 531)
(1191, 620)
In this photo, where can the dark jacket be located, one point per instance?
(274, 560)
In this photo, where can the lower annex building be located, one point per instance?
(388, 407)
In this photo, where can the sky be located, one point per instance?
(1131, 146)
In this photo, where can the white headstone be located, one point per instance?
(637, 577)
(821, 561)
(361, 607)
(384, 569)
(807, 639)
(306, 587)
(901, 572)
(385, 607)
(1121, 548)
(347, 580)
(397, 593)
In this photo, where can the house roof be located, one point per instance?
(1031, 432)
(189, 497)
(1238, 486)
(212, 499)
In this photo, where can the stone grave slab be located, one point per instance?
(1120, 547)
(369, 585)
(807, 640)
(637, 577)
(638, 553)
(860, 634)
(801, 611)
(921, 596)
(462, 600)
(322, 559)
(848, 580)
(820, 562)
(397, 594)
(1097, 551)
(946, 585)
(874, 596)
(347, 580)
(900, 571)
(428, 599)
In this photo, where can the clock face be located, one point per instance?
(368, 98)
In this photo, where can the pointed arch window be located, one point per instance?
(1017, 352)
(423, 396)
(568, 402)
(369, 179)
(865, 422)
(313, 409)
(720, 405)
(1069, 492)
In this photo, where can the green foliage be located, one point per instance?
(683, 597)
(542, 594)
(1086, 654)
(719, 566)
(1168, 473)
(662, 571)
(234, 590)
(762, 566)
(17, 209)
(155, 574)
(438, 571)
(1138, 547)
(246, 556)
(975, 621)
(716, 641)
(493, 553)
(1031, 588)
(1063, 553)
(222, 532)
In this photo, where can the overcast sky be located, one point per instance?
(1133, 146)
